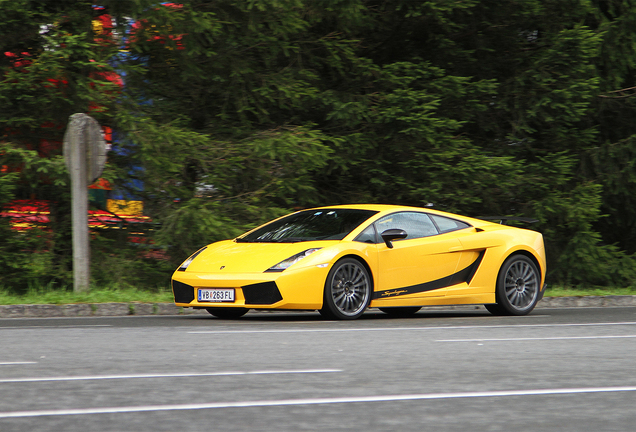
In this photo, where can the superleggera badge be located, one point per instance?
(222, 267)
(394, 292)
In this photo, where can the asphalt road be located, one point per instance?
(554, 370)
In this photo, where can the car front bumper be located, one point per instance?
(295, 289)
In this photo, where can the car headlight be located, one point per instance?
(187, 262)
(291, 260)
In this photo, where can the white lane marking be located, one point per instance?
(538, 338)
(171, 375)
(331, 330)
(55, 327)
(17, 363)
(313, 401)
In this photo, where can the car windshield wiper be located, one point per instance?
(283, 240)
(338, 236)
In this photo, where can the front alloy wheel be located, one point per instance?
(347, 291)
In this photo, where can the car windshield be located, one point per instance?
(323, 224)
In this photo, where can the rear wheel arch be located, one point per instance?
(518, 265)
(527, 254)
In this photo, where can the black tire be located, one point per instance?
(226, 312)
(518, 287)
(400, 311)
(348, 290)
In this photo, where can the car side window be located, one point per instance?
(367, 236)
(416, 225)
(447, 224)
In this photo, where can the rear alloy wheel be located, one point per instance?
(518, 286)
(227, 313)
(347, 291)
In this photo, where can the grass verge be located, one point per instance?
(111, 294)
(604, 291)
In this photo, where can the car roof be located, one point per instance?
(384, 209)
(375, 207)
(387, 208)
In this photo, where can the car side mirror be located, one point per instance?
(392, 234)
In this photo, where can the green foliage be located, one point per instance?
(52, 65)
(237, 112)
(615, 166)
(116, 262)
(29, 257)
(7, 186)
(25, 257)
(194, 224)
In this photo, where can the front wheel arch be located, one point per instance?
(366, 266)
(356, 264)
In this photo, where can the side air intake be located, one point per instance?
(183, 293)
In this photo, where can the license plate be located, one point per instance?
(217, 295)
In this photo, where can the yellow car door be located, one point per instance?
(422, 264)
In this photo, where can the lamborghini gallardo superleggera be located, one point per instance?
(342, 260)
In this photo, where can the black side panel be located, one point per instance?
(467, 274)
(183, 293)
(264, 293)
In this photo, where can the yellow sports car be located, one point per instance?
(342, 260)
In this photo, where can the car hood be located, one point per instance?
(231, 257)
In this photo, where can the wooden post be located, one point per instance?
(85, 154)
(79, 210)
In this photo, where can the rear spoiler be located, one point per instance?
(504, 219)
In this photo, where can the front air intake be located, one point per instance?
(183, 293)
(264, 293)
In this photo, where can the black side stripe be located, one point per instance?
(464, 275)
